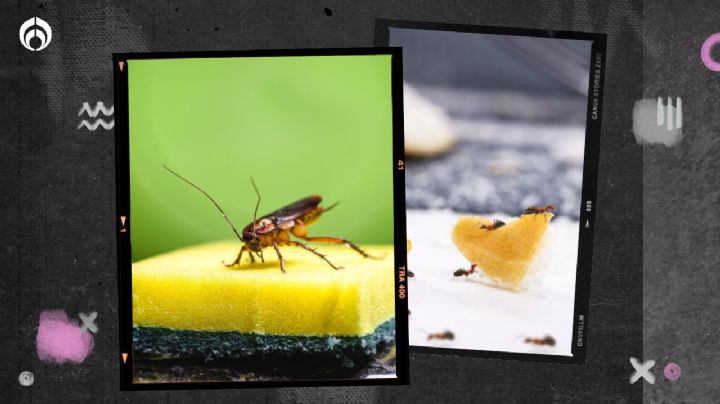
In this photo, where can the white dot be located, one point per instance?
(26, 378)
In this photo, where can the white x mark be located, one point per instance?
(642, 371)
(88, 322)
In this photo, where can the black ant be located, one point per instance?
(447, 335)
(496, 224)
(534, 210)
(547, 340)
(466, 272)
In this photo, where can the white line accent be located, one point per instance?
(99, 106)
(94, 125)
(89, 322)
(642, 371)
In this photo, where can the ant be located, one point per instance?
(496, 224)
(448, 335)
(534, 210)
(547, 340)
(466, 272)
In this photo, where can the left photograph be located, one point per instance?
(258, 198)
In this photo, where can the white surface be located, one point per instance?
(483, 316)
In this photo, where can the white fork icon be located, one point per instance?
(665, 114)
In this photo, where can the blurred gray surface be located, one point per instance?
(58, 193)
(478, 177)
(518, 105)
(506, 104)
(484, 61)
(515, 150)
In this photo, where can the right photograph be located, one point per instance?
(501, 144)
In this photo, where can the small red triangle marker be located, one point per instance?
(124, 356)
(122, 65)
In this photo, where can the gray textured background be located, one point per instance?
(57, 194)
(681, 188)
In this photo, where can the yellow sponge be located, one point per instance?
(191, 289)
(505, 253)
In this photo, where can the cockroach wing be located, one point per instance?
(262, 226)
(285, 216)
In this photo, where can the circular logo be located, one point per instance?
(26, 378)
(672, 371)
(35, 34)
(706, 55)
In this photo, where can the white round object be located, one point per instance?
(427, 125)
(26, 378)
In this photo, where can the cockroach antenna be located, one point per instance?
(331, 206)
(212, 200)
(257, 205)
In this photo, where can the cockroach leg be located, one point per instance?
(280, 257)
(339, 240)
(237, 260)
(312, 250)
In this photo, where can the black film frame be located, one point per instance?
(124, 218)
(589, 186)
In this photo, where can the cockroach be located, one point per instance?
(496, 224)
(275, 228)
(447, 335)
(465, 272)
(534, 210)
(545, 341)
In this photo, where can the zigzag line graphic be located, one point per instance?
(99, 106)
(94, 125)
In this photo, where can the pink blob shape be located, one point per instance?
(706, 55)
(672, 371)
(61, 340)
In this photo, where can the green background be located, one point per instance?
(297, 125)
